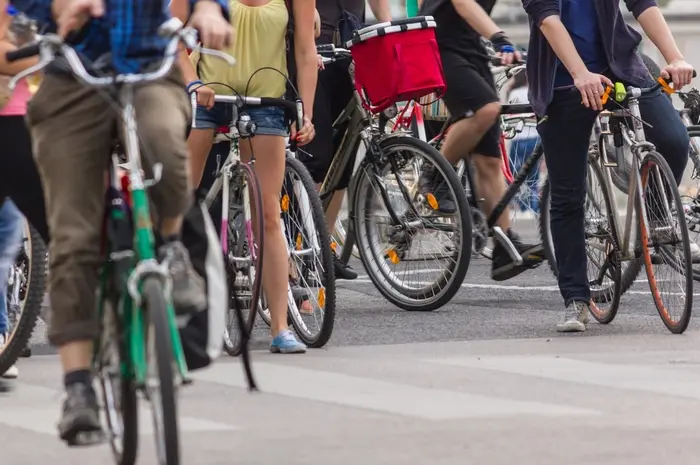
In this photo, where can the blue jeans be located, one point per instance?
(565, 134)
(10, 240)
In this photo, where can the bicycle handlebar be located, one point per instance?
(295, 107)
(622, 94)
(49, 46)
(330, 53)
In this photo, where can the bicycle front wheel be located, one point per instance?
(243, 245)
(665, 243)
(311, 274)
(160, 385)
(412, 224)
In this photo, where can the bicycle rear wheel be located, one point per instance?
(665, 243)
(312, 306)
(25, 294)
(418, 258)
(691, 196)
(243, 244)
(160, 383)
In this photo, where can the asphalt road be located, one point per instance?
(485, 379)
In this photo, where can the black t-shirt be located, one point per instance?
(453, 33)
(330, 10)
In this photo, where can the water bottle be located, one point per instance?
(23, 29)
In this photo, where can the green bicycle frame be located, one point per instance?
(132, 316)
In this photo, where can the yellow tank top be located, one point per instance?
(259, 43)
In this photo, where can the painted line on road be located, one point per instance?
(381, 396)
(514, 287)
(628, 376)
(36, 409)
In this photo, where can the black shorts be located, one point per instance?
(333, 93)
(470, 87)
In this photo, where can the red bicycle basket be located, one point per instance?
(396, 61)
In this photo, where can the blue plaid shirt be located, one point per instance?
(128, 30)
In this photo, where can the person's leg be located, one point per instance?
(11, 225)
(565, 135)
(163, 113)
(24, 184)
(72, 128)
(333, 92)
(268, 146)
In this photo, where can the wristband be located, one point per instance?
(192, 84)
(501, 42)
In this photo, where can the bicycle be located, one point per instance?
(385, 240)
(25, 295)
(656, 240)
(139, 348)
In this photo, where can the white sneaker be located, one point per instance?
(11, 372)
(695, 252)
(575, 318)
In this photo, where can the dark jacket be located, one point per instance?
(619, 39)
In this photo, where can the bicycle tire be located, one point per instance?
(461, 265)
(245, 328)
(124, 449)
(166, 427)
(20, 336)
(654, 158)
(328, 280)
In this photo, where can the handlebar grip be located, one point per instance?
(193, 101)
(22, 53)
(325, 48)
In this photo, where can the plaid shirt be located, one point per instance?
(128, 30)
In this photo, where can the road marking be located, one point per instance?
(380, 396)
(517, 288)
(36, 409)
(631, 377)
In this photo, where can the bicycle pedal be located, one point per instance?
(187, 381)
(87, 438)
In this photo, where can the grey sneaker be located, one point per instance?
(189, 289)
(575, 318)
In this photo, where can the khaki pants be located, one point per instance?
(73, 128)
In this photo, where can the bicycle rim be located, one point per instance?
(160, 383)
(244, 261)
(405, 272)
(665, 244)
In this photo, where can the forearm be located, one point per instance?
(381, 10)
(655, 27)
(476, 17)
(223, 4)
(189, 73)
(307, 76)
(559, 39)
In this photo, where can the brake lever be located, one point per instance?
(44, 60)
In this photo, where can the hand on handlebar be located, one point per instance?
(214, 31)
(680, 72)
(592, 86)
(306, 134)
(72, 15)
(205, 96)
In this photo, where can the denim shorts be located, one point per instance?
(270, 121)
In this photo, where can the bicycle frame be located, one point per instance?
(144, 263)
(636, 139)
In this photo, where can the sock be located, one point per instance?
(77, 377)
(171, 238)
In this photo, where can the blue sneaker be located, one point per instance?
(286, 343)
